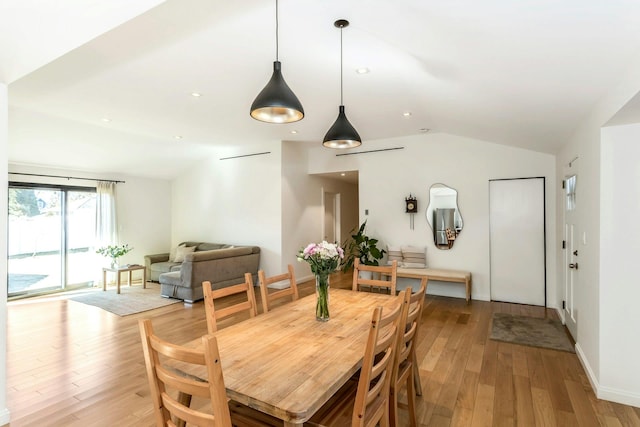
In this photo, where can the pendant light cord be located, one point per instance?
(341, 101)
(276, 30)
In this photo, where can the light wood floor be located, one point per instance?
(69, 364)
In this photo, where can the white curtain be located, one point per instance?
(106, 224)
(106, 221)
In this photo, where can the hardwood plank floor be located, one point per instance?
(70, 364)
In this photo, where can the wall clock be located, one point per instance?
(411, 204)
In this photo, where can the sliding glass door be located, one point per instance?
(50, 238)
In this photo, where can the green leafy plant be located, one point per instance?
(363, 247)
(114, 251)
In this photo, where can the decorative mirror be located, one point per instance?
(444, 216)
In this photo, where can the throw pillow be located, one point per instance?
(181, 251)
(414, 257)
(172, 252)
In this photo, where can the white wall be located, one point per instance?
(143, 206)
(4, 142)
(302, 206)
(585, 144)
(467, 165)
(620, 246)
(235, 201)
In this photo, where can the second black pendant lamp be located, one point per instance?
(277, 103)
(342, 134)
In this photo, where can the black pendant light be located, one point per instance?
(342, 134)
(277, 103)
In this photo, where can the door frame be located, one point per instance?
(336, 213)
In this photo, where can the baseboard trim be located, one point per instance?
(587, 368)
(606, 393)
(5, 417)
(619, 396)
(561, 315)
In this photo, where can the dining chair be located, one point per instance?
(172, 390)
(269, 297)
(405, 365)
(366, 402)
(387, 276)
(210, 296)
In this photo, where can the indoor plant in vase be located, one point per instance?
(363, 247)
(323, 258)
(114, 252)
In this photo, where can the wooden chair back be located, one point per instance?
(387, 276)
(451, 236)
(210, 296)
(371, 404)
(166, 382)
(405, 365)
(269, 297)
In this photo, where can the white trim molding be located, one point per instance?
(606, 393)
(5, 417)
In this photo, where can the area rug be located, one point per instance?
(531, 331)
(130, 300)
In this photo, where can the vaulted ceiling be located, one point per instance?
(518, 73)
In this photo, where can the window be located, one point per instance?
(51, 233)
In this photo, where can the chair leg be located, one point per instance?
(416, 375)
(393, 406)
(411, 400)
(184, 399)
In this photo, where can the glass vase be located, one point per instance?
(322, 297)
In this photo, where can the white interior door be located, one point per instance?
(517, 240)
(571, 241)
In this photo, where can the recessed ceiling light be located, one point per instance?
(106, 119)
(294, 131)
(178, 137)
(407, 113)
(363, 70)
(196, 94)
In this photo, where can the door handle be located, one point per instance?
(574, 265)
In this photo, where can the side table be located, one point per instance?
(120, 270)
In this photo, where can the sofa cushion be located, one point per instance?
(181, 251)
(164, 267)
(211, 246)
(172, 252)
(172, 278)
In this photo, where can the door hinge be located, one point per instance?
(563, 183)
(563, 305)
(564, 244)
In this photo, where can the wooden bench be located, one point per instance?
(438, 274)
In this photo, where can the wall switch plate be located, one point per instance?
(366, 211)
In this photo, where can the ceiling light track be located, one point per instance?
(246, 155)
(370, 151)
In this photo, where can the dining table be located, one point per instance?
(286, 363)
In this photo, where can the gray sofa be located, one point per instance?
(221, 264)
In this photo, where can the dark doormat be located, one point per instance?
(532, 331)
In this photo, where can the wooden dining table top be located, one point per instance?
(286, 363)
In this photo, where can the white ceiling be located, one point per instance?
(518, 73)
